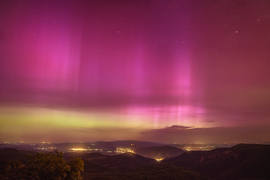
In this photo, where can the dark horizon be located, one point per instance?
(123, 141)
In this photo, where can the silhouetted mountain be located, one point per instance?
(243, 161)
(160, 152)
(129, 166)
(88, 165)
(240, 161)
(122, 161)
(192, 158)
(84, 156)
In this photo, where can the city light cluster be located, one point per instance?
(86, 149)
(198, 148)
(159, 159)
(24, 142)
(45, 148)
(118, 150)
(124, 150)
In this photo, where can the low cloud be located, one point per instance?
(209, 121)
(176, 128)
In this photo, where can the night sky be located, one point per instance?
(172, 71)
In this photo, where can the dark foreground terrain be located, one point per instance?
(243, 161)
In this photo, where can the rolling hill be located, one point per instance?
(238, 162)
(157, 152)
(243, 161)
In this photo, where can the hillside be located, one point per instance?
(240, 161)
(121, 161)
(157, 152)
(150, 172)
(243, 161)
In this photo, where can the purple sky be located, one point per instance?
(166, 70)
